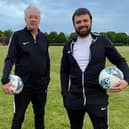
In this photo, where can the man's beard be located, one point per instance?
(83, 33)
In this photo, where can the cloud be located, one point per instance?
(56, 15)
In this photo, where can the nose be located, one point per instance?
(33, 18)
(82, 23)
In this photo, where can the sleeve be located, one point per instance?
(64, 73)
(117, 59)
(48, 68)
(47, 72)
(10, 59)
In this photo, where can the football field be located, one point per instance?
(55, 115)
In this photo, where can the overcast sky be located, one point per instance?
(108, 15)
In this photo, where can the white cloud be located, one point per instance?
(56, 15)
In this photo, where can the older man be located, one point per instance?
(28, 50)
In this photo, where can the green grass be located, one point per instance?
(56, 117)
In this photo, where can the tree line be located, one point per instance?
(59, 38)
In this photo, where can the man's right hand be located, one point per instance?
(6, 88)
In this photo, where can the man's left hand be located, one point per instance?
(122, 84)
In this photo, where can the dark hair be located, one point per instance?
(81, 11)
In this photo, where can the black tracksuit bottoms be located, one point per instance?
(97, 114)
(21, 101)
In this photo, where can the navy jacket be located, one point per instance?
(30, 57)
(81, 88)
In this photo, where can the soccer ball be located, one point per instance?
(110, 76)
(17, 84)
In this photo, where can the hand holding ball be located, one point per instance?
(110, 76)
(17, 84)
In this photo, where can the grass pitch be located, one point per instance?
(56, 117)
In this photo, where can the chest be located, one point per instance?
(28, 44)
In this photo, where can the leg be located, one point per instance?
(98, 116)
(76, 118)
(39, 101)
(21, 102)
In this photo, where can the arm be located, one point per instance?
(9, 61)
(64, 73)
(48, 68)
(47, 71)
(114, 56)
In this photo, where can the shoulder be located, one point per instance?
(70, 41)
(42, 34)
(100, 37)
(15, 34)
(19, 33)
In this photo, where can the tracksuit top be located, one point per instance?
(30, 56)
(82, 88)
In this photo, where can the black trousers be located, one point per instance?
(97, 114)
(22, 100)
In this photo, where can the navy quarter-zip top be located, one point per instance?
(29, 55)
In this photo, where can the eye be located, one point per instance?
(36, 17)
(78, 22)
(85, 20)
(30, 17)
(33, 17)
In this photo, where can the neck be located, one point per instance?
(34, 32)
(89, 35)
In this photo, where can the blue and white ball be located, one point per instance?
(110, 76)
(17, 84)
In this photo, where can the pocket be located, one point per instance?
(73, 100)
(99, 110)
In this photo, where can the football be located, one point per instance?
(110, 76)
(17, 84)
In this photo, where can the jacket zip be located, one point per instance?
(83, 89)
(83, 77)
(35, 41)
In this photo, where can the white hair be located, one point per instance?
(29, 8)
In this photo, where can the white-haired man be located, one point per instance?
(28, 50)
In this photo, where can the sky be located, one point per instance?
(56, 15)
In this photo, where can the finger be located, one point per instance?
(8, 91)
(114, 90)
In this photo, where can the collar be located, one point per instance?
(85, 39)
(93, 35)
(26, 29)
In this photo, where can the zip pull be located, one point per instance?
(35, 41)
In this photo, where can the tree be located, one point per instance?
(1, 37)
(52, 37)
(122, 38)
(61, 38)
(1, 34)
(72, 35)
(7, 34)
(112, 36)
